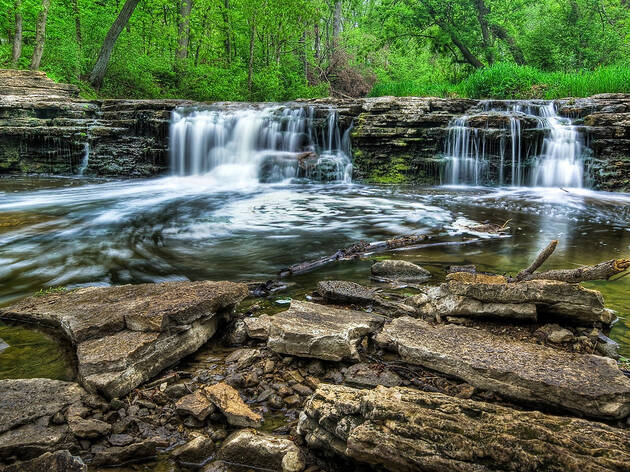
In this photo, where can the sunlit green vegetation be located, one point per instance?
(284, 49)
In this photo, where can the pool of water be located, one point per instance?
(74, 232)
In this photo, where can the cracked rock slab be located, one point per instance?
(402, 429)
(582, 383)
(320, 331)
(124, 335)
(230, 403)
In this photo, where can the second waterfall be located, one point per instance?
(268, 144)
(518, 143)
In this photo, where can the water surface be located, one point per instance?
(75, 232)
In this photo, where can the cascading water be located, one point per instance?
(477, 152)
(269, 145)
(560, 164)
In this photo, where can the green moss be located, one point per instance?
(397, 172)
(46, 291)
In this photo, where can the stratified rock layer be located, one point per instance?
(319, 331)
(587, 384)
(124, 335)
(405, 430)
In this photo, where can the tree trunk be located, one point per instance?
(100, 67)
(316, 34)
(77, 23)
(468, 55)
(515, 50)
(226, 25)
(482, 16)
(40, 35)
(17, 38)
(250, 69)
(336, 26)
(183, 29)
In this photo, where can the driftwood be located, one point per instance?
(601, 271)
(353, 252)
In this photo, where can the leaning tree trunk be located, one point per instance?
(40, 35)
(17, 38)
(100, 67)
(183, 28)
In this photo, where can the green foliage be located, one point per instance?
(49, 290)
(302, 48)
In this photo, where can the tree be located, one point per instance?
(40, 35)
(100, 67)
(183, 28)
(16, 51)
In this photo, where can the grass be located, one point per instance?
(46, 291)
(510, 81)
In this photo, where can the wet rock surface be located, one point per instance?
(587, 384)
(59, 461)
(127, 334)
(312, 330)
(404, 429)
(400, 270)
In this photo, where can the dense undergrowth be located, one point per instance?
(510, 81)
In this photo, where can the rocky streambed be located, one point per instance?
(479, 373)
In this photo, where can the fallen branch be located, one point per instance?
(353, 252)
(540, 260)
(601, 271)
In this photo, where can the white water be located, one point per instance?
(471, 151)
(86, 158)
(259, 145)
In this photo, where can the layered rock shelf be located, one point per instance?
(401, 429)
(51, 131)
(125, 335)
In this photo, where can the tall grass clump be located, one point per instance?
(511, 81)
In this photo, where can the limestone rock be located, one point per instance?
(126, 334)
(88, 428)
(259, 450)
(346, 293)
(371, 375)
(58, 461)
(195, 451)
(400, 270)
(556, 334)
(258, 327)
(400, 429)
(319, 331)
(24, 401)
(567, 301)
(133, 452)
(588, 384)
(230, 403)
(196, 405)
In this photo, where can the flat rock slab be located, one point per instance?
(58, 461)
(401, 429)
(230, 403)
(124, 335)
(403, 271)
(321, 332)
(587, 384)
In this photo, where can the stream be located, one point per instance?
(74, 232)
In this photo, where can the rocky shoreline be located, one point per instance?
(46, 129)
(479, 373)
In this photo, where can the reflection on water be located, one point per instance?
(62, 232)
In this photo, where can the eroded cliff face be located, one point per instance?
(45, 128)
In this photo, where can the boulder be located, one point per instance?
(401, 429)
(583, 383)
(252, 449)
(230, 403)
(88, 428)
(556, 334)
(196, 405)
(58, 461)
(195, 451)
(125, 335)
(371, 375)
(403, 271)
(319, 331)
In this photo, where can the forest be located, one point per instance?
(273, 50)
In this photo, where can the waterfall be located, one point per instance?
(263, 145)
(560, 164)
(86, 158)
(477, 153)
